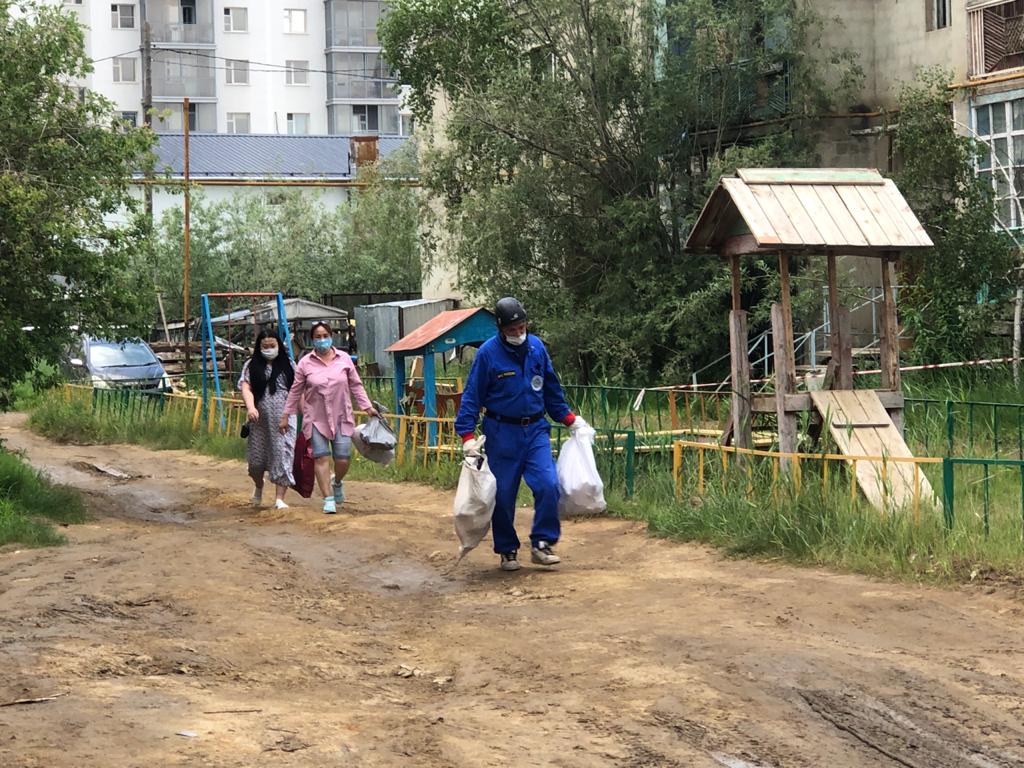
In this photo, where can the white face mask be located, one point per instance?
(515, 341)
(269, 354)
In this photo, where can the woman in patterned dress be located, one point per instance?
(266, 378)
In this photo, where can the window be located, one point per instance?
(131, 118)
(238, 122)
(296, 72)
(359, 76)
(294, 21)
(124, 69)
(408, 125)
(363, 118)
(122, 16)
(72, 2)
(236, 20)
(188, 11)
(1000, 131)
(298, 123)
(353, 22)
(80, 92)
(201, 116)
(938, 12)
(237, 72)
(997, 37)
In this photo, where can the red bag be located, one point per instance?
(302, 467)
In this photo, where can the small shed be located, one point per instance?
(828, 212)
(378, 326)
(448, 330)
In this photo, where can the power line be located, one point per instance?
(276, 67)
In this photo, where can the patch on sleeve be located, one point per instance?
(506, 374)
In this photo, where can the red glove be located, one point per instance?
(568, 420)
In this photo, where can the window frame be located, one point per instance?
(231, 117)
(232, 69)
(291, 71)
(116, 13)
(117, 65)
(288, 19)
(290, 120)
(134, 120)
(987, 163)
(229, 18)
(940, 14)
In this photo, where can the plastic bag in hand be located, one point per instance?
(474, 502)
(377, 433)
(368, 450)
(580, 485)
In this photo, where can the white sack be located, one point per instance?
(582, 490)
(474, 502)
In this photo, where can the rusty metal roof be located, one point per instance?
(844, 210)
(437, 327)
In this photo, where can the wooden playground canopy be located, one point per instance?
(830, 212)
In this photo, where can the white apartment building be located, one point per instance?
(246, 66)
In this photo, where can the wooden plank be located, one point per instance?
(776, 214)
(899, 204)
(889, 341)
(740, 412)
(893, 234)
(828, 176)
(844, 363)
(882, 199)
(711, 214)
(852, 236)
(801, 402)
(798, 215)
(869, 226)
(748, 207)
(783, 386)
(787, 315)
(734, 268)
(834, 306)
(830, 232)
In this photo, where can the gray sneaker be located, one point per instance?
(338, 486)
(542, 554)
(509, 561)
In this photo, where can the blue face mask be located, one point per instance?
(322, 345)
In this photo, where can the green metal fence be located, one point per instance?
(988, 492)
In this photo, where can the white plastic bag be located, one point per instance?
(378, 433)
(474, 502)
(582, 490)
(370, 451)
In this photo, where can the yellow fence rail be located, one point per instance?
(738, 463)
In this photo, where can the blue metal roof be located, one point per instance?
(254, 155)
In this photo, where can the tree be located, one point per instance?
(581, 139)
(942, 304)
(65, 166)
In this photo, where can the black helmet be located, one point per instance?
(509, 311)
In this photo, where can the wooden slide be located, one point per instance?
(861, 427)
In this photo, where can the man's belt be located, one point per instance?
(524, 421)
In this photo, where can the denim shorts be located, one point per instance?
(341, 445)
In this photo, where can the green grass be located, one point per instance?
(30, 504)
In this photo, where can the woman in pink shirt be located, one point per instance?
(330, 382)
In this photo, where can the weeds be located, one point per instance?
(30, 503)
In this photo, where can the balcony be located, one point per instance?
(181, 21)
(183, 74)
(997, 36)
(353, 23)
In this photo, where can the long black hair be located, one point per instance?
(282, 364)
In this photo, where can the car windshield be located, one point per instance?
(105, 354)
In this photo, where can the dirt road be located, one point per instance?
(184, 628)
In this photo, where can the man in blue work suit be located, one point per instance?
(513, 379)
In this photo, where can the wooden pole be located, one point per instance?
(840, 342)
(784, 385)
(741, 429)
(787, 310)
(890, 341)
(734, 263)
(163, 316)
(185, 286)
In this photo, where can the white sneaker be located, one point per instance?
(509, 561)
(279, 504)
(329, 506)
(542, 554)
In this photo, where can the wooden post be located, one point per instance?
(787, 310)
(889, 341)
(741, 429)
(784, 385)
(890, 338)
(734, 263)
(844, 363)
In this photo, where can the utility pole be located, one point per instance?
(188, 201)
(147, 97)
